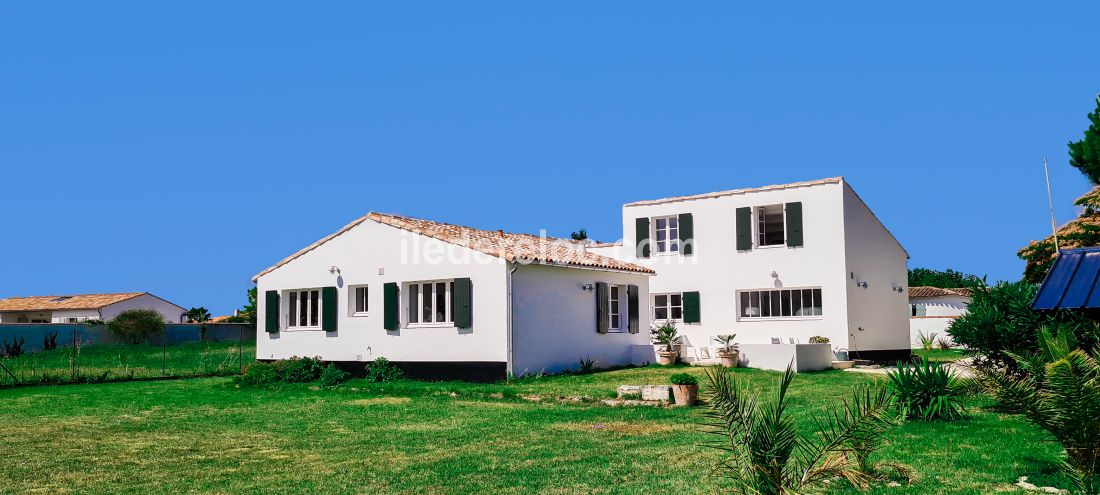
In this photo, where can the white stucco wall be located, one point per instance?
(940, 313)
(877, 315)
(171, 312)
(555, 320)
(373, 254)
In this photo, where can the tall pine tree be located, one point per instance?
(1085, 154)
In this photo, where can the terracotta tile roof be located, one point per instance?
(55, 303)
(732, 192)
(523, 248)
(921, 292)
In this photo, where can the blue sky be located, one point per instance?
(181, 147)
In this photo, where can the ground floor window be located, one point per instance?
(430, 303)
(780, 303)
(304, 308)
(668, 307)
(358, 300)
(616, 294)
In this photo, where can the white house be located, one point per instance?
(82, 307)
(932, 309)
(774, 264)
(446, 300)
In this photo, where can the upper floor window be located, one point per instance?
(769, 225)
(358, 301)
(304, 308)
(668, 307)
(430, 303)
(780, 303)
(667, 234)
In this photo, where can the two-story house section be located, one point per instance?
(772, 264)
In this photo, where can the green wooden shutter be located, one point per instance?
(632, 308)
(794, 224)
(328, 309)
(691, 307)
(601, 307)
(271, 311)
(641, 236)
(462, 307)
(744, 229)
(687, 233)
(391, 319)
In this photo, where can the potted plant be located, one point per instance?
(685, 388)
(666, 335)
(818, 339)
(729, 355)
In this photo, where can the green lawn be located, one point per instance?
(122, 362)
(940, 355)
(208, 436)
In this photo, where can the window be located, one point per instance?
(667, 233)
(358, 303)
(668, 307)
(918, 310)
(304, 308)
(769, 226)
(615, 308)
(780, 303)
(430, 303)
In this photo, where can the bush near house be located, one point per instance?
(135, 326)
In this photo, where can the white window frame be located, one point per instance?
(353, 300)
(448, 301)
(293, 298)
(620, 312)
(758, 226)
(740, 309)
(669, 306)
(918, 310)
(669, 238)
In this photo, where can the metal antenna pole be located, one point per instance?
(1050, 202)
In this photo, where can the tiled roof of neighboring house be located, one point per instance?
(605, 244)
(525, 248)
(57, 303)
(731, 192)
(920, 292)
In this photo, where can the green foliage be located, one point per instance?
(587, 365)
(727, 342)
(49, 341)
(666, 334)
(198, 315)
(927, 342)
(1061, 395)
(1000, 321)
(766, 452)
(947, 279)
(818, 339)
(927, 391)
(1084, 155)
(382, 370)
(332, 376)
(683, 379)
(249, 310)
(579, 235)
(299, 369)
(14, 348)
(135, 326)
(258, 373)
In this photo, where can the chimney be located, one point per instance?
(500, 232)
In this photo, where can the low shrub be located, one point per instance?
(382, 370)
(15, 347)
(927, 391)
(587, 365)
(258, 373)
(299, 369)
(683, 379)
(49, 341)
(927, 341)
(135, 326)
(332, 376)
(943, 344)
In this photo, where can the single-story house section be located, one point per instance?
(83, 307)
(932, 309)
(443, 300)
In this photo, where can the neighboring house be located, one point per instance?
(772, 264)
(78, 308)
(932, 309)
(446, 300)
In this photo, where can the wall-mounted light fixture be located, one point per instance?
(862, 285)
(587, 287)
(333, 269)
(899, 289)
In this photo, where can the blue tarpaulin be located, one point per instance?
(1071, 282)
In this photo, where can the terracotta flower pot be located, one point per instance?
(666, 358)
(685, 395)
(729, 359)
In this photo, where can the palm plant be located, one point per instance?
(198, 315)
(1060, 393)
(927, 391)
(666, 335)
(927, 341)
(726, 341)
(768, 455)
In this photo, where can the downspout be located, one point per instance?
(511, 317)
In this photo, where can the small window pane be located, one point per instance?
(796, 303)
(676, 299)
(744, 304)
(677, 312)
(754, 304)
(426, 299)
(660, 300)
(314, 306)
(293, 306)
(441, 302)
(303, 309)
(414, 301)
(451, 304)
(817, 302)
(662, 223)
(785, 297)
(660, 313)
(672, 223)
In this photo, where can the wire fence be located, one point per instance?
(77, 353)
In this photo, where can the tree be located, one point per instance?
(947, 279)
(580, 235)
(247, 314)
(198, 315)
(1085, 154)
(134, 326)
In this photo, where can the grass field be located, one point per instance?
(940, 355)
(208, 436)
(123, 362)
